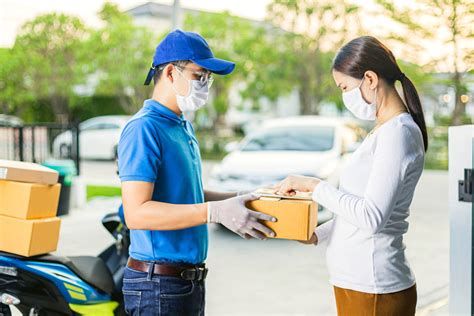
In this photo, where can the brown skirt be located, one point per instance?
(354, 303)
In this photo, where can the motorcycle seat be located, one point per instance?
(92, 270)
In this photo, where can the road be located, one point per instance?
(277, 277)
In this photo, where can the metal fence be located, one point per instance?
(40, 142)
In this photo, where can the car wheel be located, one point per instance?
(5, 310)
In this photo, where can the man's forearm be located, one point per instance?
(218, 196)
(154, 215)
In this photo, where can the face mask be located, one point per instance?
(355, 103)
(196, 98)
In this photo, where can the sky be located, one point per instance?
(13, 13)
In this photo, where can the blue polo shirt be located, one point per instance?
(160, 147)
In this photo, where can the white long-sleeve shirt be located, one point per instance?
(365, 250)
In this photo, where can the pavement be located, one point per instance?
(280, 277)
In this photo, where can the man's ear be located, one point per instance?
(168, 72)
(372, 78)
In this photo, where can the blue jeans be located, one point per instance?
(147, 294)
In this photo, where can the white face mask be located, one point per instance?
(355, 103)
(196, 97)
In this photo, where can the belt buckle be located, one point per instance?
(188, 274)
(194, 274)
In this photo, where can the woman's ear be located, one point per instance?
(372, 78)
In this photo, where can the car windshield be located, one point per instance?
(292, 138)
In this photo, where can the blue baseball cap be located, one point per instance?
(181, 45)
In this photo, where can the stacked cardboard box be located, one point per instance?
(29, 196)
(297, 215)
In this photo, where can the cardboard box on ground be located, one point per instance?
(29, 197)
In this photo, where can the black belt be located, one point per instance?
(183, 271)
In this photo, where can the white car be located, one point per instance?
(98, 138)
(305, 145)
(9, 120)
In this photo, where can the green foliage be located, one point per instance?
(447, 22)
(316, 30)
(273, 61)
(437, 155)
(120, 55)
(86, 107)
(55, 56)
(13, 93)
(259, 54)
(48, 50)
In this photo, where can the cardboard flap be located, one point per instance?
(27, 172)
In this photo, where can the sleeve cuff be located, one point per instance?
(318, 191)
(323, 231)
(137, 178)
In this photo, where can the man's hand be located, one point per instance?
(312, 241)
(234, 215)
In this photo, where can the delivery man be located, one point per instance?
(165, 205)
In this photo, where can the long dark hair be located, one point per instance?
(368, 53)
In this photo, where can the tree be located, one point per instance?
(316, 29)
(448, 23)
(13, 93)
(257, 51)
(120, 56)
(47, 53)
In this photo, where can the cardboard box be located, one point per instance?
(29, 237)
(27, 172)
(296, 218)
(28, 200)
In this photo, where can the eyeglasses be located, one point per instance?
(205, 77)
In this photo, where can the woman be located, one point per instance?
(365, 253)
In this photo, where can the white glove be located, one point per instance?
(235, 216)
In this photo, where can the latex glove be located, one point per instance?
(294, 183)
(235, 216)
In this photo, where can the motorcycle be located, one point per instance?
(74, 285)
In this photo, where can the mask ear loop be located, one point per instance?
(189, 84)
(375, 97)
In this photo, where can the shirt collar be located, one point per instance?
(163, 110)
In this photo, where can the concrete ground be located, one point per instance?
(278, 277)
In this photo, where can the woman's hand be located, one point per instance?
(294, 183)
(312, 241)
